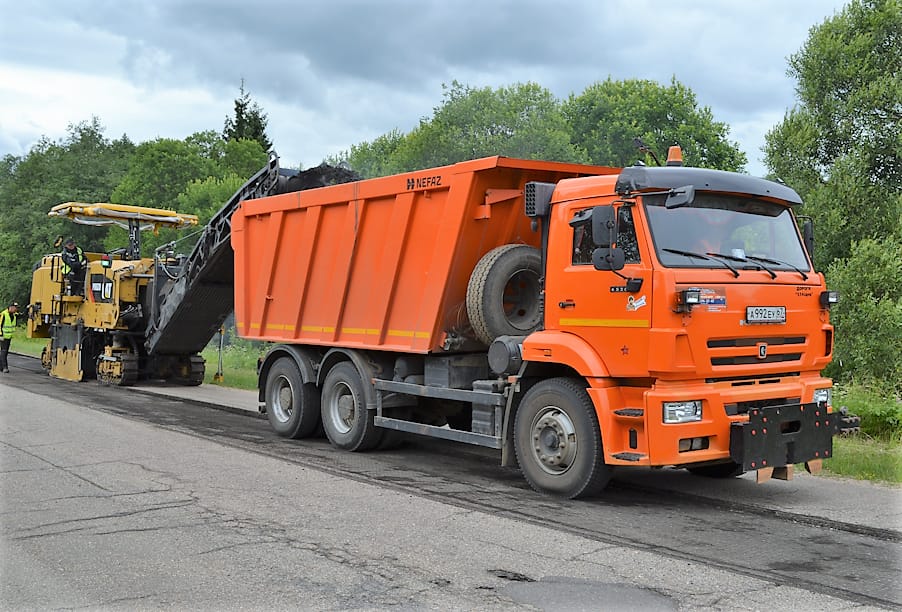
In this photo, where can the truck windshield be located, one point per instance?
(742, 229)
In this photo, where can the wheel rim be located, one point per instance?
(520, 302)
(282, 399)
(342, 408)
(554, 441)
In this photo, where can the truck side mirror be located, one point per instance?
(608, 258)
(604, 226)
(808, 237)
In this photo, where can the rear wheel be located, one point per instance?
(347, 422)
(558, 441)
(292, 406)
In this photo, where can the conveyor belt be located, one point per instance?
(187, 311)
(188, 306)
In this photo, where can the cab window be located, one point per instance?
(626, 239)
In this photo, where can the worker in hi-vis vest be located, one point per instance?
(8, 321)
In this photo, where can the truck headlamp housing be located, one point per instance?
(823, 397)
(687, 298)
(828, 298)
(683, 412)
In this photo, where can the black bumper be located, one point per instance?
(784, 435)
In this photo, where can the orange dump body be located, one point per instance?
(383, 263)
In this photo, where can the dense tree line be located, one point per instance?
(840, 147)
(599, 126)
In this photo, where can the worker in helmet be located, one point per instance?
(8, 321)
(73, 266)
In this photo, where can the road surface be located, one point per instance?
(134, 499)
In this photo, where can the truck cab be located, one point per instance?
(686, 299)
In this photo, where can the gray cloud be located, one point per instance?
(335, 73)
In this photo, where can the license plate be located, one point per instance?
(765, 314)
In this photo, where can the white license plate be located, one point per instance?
(765, 314)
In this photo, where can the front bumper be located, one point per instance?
(778, 436)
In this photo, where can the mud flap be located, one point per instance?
(779, 436)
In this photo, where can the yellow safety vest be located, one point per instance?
(8, 323)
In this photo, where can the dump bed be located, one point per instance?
(382, 263)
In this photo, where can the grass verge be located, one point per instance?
(865, 458)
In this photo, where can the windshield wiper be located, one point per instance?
(777, 262)
(773, 274)
(703, 256)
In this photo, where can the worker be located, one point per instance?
(8, 321)
(73, 266)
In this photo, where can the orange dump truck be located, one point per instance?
(575, 317)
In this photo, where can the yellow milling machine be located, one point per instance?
(96, 326)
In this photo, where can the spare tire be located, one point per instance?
(504, 293)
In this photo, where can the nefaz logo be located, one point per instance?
(424, 182)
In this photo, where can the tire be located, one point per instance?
(347, 422)
(292, 406)
(718, 470)
(504, 293)
(558, 441)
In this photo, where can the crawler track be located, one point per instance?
(857, 563)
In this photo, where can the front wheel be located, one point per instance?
(558, 441)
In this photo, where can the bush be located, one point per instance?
(868, 318)
(881, 413)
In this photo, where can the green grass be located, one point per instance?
(27, 346)
(875, 453)
(866, 458)
(239, 366)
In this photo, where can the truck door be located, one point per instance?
(604, 309)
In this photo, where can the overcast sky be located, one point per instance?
(330, 74)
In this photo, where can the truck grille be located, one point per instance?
(752, 359)
(724, 357)
(770, 341)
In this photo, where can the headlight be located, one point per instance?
(687, 298)
(823, 396)
(683, 412)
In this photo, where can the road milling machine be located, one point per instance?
(95, 322)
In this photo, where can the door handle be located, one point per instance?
(566, 304)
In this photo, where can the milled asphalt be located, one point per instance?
(862, 503)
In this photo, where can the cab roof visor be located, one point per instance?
(636, 179)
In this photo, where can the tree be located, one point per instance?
(376, 158)
(248, 123)
(84, 166)
(841, 148)
(523, 120)
(869, 313)
(162, 170)
(607, 117)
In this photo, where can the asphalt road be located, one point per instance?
(119, 499)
